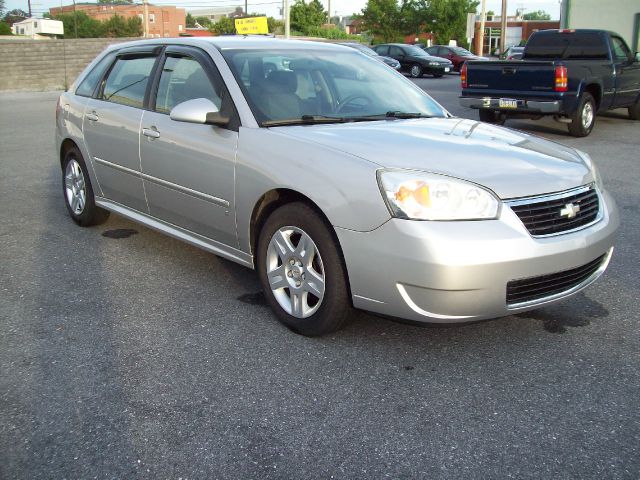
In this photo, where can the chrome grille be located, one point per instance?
(537, 288)
(558, 213)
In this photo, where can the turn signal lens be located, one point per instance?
(561, 78)
(463, 75)
(429, 196)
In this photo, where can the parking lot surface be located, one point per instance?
(127, 354)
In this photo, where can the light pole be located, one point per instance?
(287, 20)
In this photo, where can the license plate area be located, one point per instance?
(507, 103)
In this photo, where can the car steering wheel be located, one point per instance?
(351, 98)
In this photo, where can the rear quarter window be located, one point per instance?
(88, 86)
(570, 46)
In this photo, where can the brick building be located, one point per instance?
(164, 21)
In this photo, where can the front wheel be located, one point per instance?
(634, 110)
(584, 118)
(301, 271)
(78, 192)
(415, 71)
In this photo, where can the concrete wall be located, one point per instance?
(620, 16)
(39, 65)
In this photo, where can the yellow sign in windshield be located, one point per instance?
(254, 25)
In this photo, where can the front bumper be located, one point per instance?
(528, 106)
(448, 272)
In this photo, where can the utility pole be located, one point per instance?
(75, 19)
(246, 7)
(29, 1)
(329, 10)
(145, 4)
(287, 20)
(503, 28)
(483, 15)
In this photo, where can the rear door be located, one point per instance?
(188, 169)
(111, 126)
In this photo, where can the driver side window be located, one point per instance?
(620, 50)
(182, 79)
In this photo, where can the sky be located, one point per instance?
(271, 7)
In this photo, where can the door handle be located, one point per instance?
(93, 116)
(151, 132)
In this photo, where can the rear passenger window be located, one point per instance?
(88, 85)
(127, 81)
(443, 52)
(183, 79)
(384, 50)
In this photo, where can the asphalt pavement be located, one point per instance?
(127, 354)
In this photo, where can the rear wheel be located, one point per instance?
(584, 118)
(415, 71)
(78, 192)
(634, 110)
(301, 271)
(491, 116)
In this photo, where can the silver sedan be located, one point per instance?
(337, 179)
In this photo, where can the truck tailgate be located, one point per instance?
(527, 77)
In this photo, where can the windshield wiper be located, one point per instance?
(305, 120)
(394, 114)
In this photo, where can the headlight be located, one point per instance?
(592, 166)
(434, 64)
(429, 196)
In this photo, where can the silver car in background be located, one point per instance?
(341, 182)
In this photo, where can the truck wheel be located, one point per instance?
(634, 110)
(491, 116)
(416, 71)
(584, 118)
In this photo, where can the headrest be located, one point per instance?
(281, 81)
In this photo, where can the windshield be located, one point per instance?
(324, 86)
(416, 51)
(362, 48)
(462, 52)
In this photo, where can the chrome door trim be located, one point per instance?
(180, 233)
(179, 188)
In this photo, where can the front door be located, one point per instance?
(111, 126)
(188, 169)
(627, 70)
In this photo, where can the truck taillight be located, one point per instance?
(561, 78)
(463, 76)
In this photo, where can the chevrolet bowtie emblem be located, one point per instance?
(570, 210)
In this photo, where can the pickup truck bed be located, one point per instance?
(571, 75)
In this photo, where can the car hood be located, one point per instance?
(511, 163)
(387, 60)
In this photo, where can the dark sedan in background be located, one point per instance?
(457, 55)
(415, 60)
(393, 63)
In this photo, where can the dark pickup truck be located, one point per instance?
(570, 74)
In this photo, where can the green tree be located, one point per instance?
(224, 26)
(5, 29)
(190, 21)
(1, 8)
(539, 15)
(451, 19)
(80, 23)
(15, 15)
(383, 19)
(118, 26)
(275, 26)
(204, 21)
(305, 16)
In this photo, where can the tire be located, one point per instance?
(296, 249)
(634, 110)
(78, 192)
(415, 71)
(584, 118)
(491, 116)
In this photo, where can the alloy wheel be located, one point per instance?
(75, 188)
(295, 271)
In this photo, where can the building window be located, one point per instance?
(21, 31)
(35, 24)
(152, 18)
(179, 27)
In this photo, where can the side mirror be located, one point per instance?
(198, 110)
(637, 58)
